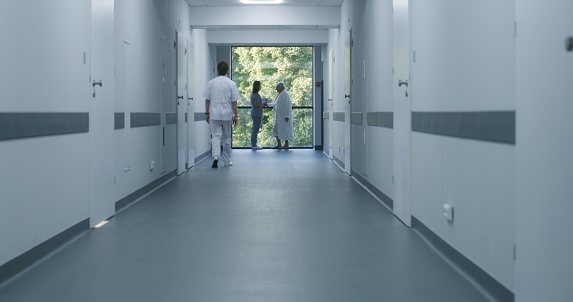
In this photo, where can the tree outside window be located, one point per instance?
(270, 65)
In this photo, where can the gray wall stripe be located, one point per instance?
(144, 119)
(119, 120)
(487, 282)
(326, 115)
(171, 118)
(493, 126)
(356, 118)
(199, 116)
(35, 124)
(338, 116)
(380, 119)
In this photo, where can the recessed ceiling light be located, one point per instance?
(262, 1)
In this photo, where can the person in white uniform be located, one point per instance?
(221, 96)
(282, 116)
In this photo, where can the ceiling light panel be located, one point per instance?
(199, 3)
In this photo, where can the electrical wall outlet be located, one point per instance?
(151, 165)
(448, 211)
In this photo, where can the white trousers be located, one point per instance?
(221, 134)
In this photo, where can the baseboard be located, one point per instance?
(339, 162)
(30, 257)
(202, 156)
(489, 284)
(377, 193)
(129, 199)
(27, 259)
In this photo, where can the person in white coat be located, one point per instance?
(221, 111)
(282, 116)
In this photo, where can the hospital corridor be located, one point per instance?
(429, 153)
(276, 226)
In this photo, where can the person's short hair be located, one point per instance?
(223, 68)
(282, 85)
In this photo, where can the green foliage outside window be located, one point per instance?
(270, 65)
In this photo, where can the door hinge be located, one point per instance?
(514, 252)
(515, 29)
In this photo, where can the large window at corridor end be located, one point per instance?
(270, 65)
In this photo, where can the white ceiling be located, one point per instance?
(285, 2)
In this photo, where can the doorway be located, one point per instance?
(182, 95)
(402, 111)
(102, 202)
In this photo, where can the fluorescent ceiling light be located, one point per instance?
(262, 1)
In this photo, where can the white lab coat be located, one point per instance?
(282, 109)
(222, 92)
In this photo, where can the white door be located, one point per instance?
(402, 112)
(190, 105)
(181, 104)
(102, 111)
(330, 100)
(347, 98)
(544, 153)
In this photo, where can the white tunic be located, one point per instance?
(282, 109)
(221, 91)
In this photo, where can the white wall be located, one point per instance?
(330, 48)
(44, 186)
(379, 97)
(544, 268)
(141, 51)
(45, 180)
(203, 73)
(372, 91)
(339, 101)
(465, 61)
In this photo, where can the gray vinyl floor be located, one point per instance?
(277, 226)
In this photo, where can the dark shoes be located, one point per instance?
(215, 161)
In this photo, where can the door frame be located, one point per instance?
(182, 95)
(402, 161)
(331, 65)
(190, 157)
(102, 89)
(347, 101)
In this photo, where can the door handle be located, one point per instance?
(96, 83)
(400, 83)
(180, 97)
(347, 95)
